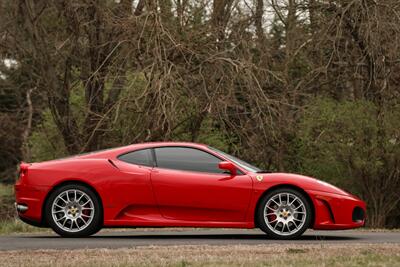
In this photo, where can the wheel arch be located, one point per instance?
(291, 186)
(68, 182)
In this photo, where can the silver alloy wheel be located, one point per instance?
(285, 214)
(72, 210)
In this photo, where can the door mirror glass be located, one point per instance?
(226, 165)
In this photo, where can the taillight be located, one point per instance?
(23, 169)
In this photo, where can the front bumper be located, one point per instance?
(337, 212)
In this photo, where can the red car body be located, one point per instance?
(137, 196)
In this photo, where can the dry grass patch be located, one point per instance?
(7, 210)
(16, 226)
(205, 255)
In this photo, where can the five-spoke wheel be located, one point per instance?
(284, 213)
(73, 210)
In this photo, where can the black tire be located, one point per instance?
(91, 228)
(261, 219)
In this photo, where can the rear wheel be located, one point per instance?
(284, 213)
(74, 211)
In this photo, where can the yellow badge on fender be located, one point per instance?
(259, 178)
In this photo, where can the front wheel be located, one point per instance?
(74, 211)
(284, 213)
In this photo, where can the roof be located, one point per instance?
(124, 149)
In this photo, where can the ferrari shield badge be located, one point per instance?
(259, 178)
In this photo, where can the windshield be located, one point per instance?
(241, 163)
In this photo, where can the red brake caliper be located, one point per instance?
(271, 217)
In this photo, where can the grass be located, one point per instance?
(205, 255)
(6, 191)
(6, 202)
(15, 226)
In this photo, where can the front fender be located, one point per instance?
(327, 212)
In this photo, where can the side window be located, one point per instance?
(138, 157)
(187, 159)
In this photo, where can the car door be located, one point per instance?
(189, 186)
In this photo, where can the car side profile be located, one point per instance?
(176, 184)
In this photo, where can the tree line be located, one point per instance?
(306, 86)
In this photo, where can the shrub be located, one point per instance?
(355, 145)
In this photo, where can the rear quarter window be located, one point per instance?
(138, 157)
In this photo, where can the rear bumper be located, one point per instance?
(337, 212)
(29, 199)
(32, 222)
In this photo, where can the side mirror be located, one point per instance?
(226, 165)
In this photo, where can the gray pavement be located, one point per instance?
(133, 238)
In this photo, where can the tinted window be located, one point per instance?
(187, 159)
(139, 157)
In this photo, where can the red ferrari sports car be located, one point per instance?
(169, 184)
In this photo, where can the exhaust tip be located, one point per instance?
(21, 207)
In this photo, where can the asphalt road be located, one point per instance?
(127, 239)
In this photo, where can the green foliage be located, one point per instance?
(213, 136)
(45, 142)
(356, 146)
(329, 131)
(337, 137)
